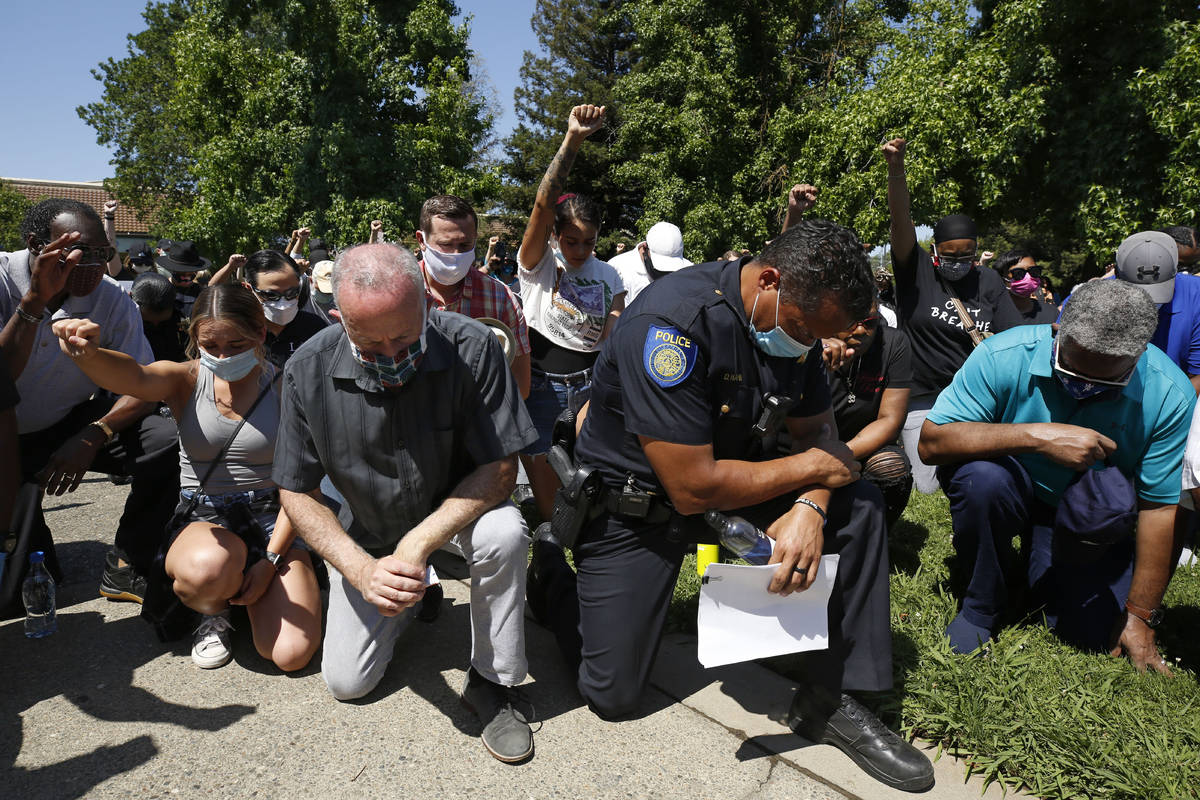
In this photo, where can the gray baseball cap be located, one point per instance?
(1150, 260)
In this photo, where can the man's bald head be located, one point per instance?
(380, 295)
(377, 268)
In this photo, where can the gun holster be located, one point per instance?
(576, 501)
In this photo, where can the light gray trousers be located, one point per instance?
(924, 475)
(359, 640)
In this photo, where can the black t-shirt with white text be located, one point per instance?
(940, 343)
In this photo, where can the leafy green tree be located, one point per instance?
(238, 121)
(718, 96)
(584, 50)
(1022, 117)
(13, 206)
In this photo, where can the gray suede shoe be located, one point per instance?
(506, 733)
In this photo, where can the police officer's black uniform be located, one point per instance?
(682, 367)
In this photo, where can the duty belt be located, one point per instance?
(645, 507)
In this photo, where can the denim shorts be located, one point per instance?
(264, 508)
(549, 396)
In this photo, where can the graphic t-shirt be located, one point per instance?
(940, 342)
(569, 307)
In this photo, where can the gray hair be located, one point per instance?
(378, 267)
(1110, 318)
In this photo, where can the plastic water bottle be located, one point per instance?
(741, 537)
(38, 593)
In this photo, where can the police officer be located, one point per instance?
(678, 391)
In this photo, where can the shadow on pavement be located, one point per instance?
(91, 664)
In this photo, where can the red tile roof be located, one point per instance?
(129, 222)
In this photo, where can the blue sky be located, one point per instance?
(47, 74)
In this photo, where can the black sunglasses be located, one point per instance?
(91, 255)
(1018, 273)
(270, 296)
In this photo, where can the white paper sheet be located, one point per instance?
(740, 620)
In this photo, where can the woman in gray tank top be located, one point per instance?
(238, 547)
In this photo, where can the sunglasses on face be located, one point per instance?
(270, 296)
(1018, 273)
(91, 255)
(1121, 382)
(956, 260)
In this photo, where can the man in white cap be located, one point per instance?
(660, 253)
(1150, 261)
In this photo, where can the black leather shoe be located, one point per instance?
(858, 733)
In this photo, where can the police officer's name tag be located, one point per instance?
(668, 356)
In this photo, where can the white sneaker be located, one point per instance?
(210, 648)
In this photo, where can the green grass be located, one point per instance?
(1032, 712)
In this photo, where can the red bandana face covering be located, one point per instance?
(84, 279)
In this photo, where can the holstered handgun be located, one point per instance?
(577, 497)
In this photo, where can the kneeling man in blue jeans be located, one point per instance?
(1014, 435)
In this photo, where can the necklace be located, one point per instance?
(851, 380)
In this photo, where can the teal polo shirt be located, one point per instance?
(1009, 379)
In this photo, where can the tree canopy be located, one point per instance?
(1058, 124)
(238, 121)
(587, 48)
(13, 206)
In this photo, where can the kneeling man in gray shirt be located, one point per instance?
(416, 419)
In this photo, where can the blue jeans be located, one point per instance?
(549, 396)
(990, 503)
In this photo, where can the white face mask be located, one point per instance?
(448, 268)
(281, 312)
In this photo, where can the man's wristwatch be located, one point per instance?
(105, 428)
(276, 560)
(1152, 618)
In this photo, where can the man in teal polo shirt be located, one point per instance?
(1026, 414)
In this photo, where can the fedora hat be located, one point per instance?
(182, 257)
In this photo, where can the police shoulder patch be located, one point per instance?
(668, 356)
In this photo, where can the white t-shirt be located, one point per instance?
(573, 316)
(51, 384)
(1191, 461)
(632, 271)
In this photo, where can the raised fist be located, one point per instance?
(585, 120)
(802, 197)
(78, 338)
(893, 153)
(110, 207)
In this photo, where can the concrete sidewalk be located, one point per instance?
(101, 709)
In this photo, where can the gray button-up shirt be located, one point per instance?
(395, 454)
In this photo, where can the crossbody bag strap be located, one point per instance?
(972, 330)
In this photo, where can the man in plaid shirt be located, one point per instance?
(448, 226)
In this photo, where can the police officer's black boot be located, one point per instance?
(822, 716)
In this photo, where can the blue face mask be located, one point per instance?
(233, 368)
(1082, 389)
(776, 342)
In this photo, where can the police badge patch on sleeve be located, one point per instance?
(668, 356)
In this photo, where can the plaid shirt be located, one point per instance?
(483, 296)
